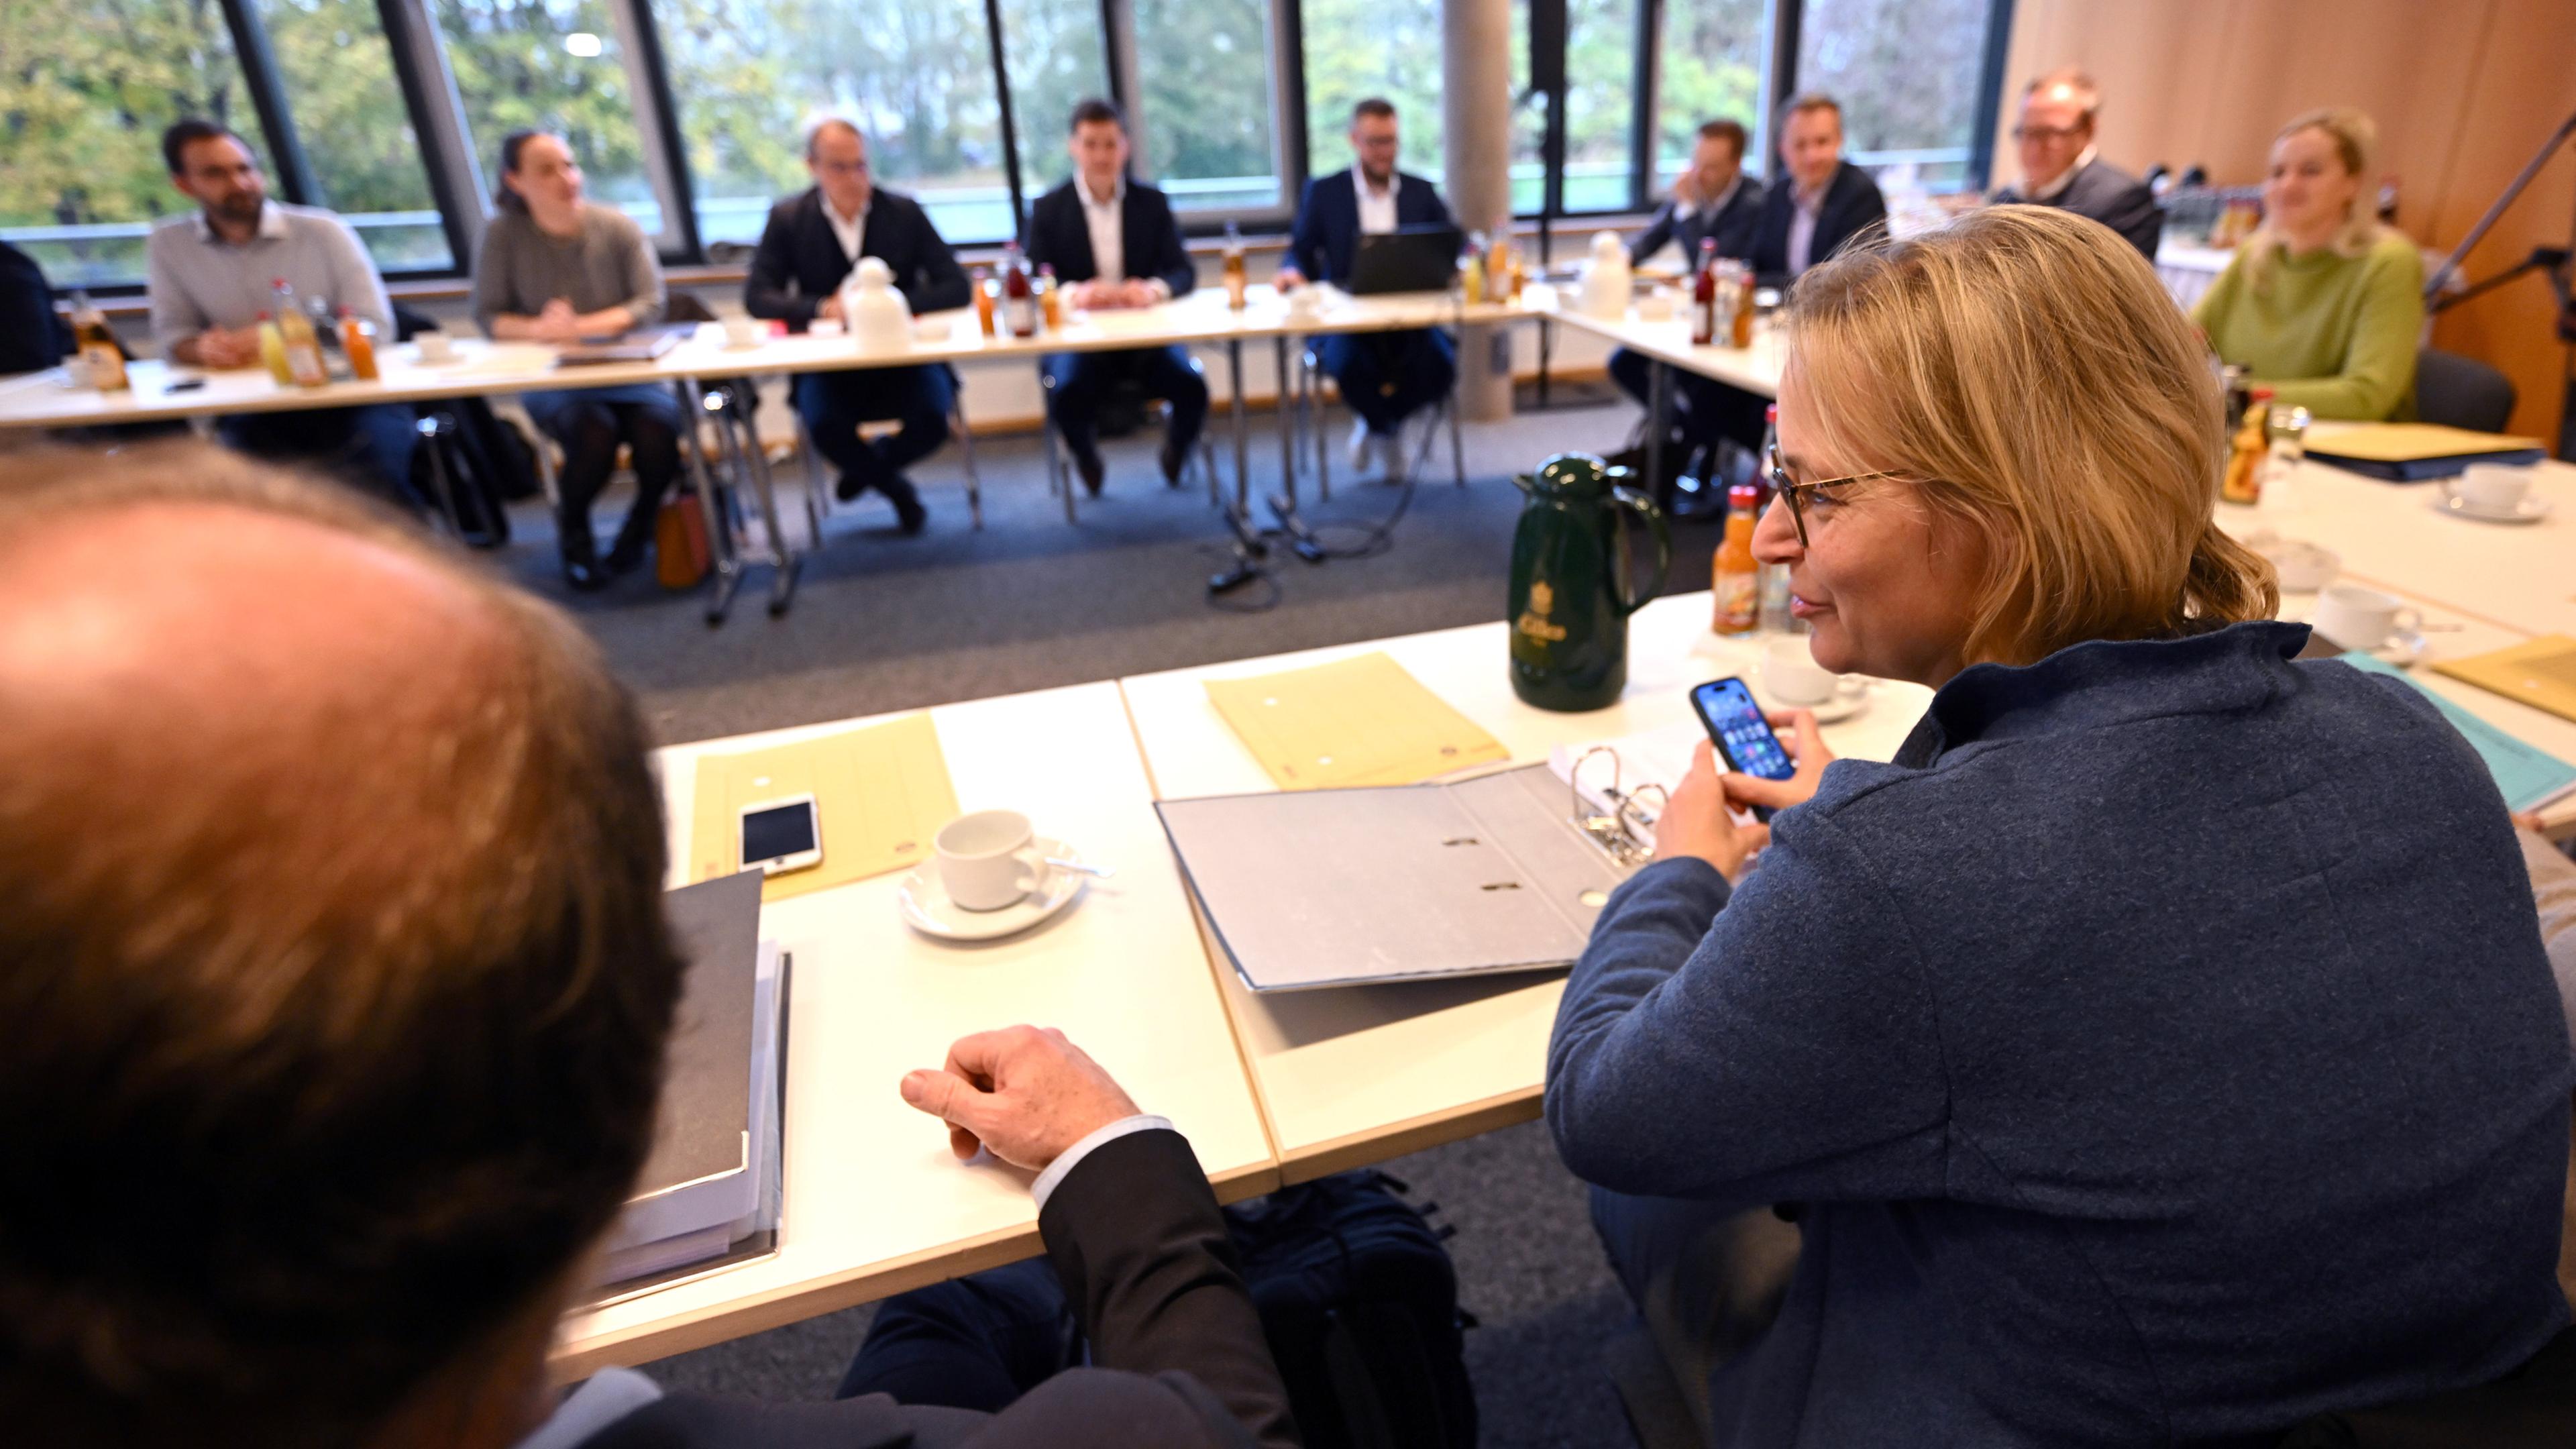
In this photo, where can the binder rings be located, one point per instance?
(1500, 871)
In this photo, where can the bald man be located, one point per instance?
(2060, 166)
(337, 986)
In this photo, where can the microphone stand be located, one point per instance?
(2550, 259)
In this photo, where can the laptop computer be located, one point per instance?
(1408, 259)
(641, 345)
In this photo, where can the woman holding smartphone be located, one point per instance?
(2160, 1049)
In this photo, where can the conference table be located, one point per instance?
(160, 393)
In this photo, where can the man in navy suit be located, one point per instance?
(1714, 200)
(1113, 243)
(1386, 377)
(2059, 166)
(812, 241)
(1821, 204)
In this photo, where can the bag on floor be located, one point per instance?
(1360, 1303)
(680, 554)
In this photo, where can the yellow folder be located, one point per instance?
(2540, 672)
(1357, 721)
(2413, 442)
(881, 792)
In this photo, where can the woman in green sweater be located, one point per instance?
(2322, 304)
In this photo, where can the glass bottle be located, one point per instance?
(1735, 581)
(358, 340)
(984, 299)
(1237, 280)
(304, 366)
(95, 342)
(1019, 299)
(272, 351)
(1704, 296)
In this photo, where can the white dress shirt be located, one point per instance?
(1056, 1171)
(1377, 208)
(2065, 179)
(852, 231)
(1106, 220)
(1804, 209)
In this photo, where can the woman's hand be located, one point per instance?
(1806, 747)
(1695, 823)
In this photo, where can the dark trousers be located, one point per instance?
(833, 405)
(1076, 381)
(974, 1343)
(590, 425)
(1386, 377)
(1702, 410)
(1707, 1281)
(369, 446)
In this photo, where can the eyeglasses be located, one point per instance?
(1790, 489)
(2046, 133)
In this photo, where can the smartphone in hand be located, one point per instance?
(1743, 738)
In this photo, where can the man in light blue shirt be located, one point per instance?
(212, 275)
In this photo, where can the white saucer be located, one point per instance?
(1850, 698)
(2531, 509)
(927, 908)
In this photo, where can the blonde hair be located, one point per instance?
(2356, 142)
(2024, 366)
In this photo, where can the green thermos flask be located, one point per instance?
(1569, 606)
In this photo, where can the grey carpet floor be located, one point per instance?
(883, 622)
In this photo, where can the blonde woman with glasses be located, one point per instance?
(2322, 304)
(2158, 1050)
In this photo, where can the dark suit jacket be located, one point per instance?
(1851, 204)
(32, 336)
(800, 261)
(1324, 242)
(1732, 227)
(1136, 1236)
(1147, 234)
(2110, 196)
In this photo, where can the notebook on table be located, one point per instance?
(641, 345)
(2414, 452)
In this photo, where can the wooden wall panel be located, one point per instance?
(2463, 91)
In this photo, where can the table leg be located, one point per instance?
(1287, 425)
(1659, 388)
(784, 560)
(1242, 428)
(719, 519)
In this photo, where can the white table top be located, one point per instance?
(874, 1202)
(1755, 369)
(1358, 1074)
(43, 400)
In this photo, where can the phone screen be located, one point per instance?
(779, 831)
(1742, 736)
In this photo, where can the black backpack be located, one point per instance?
(1360, 1304)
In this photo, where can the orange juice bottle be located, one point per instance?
(984, 300)
(1050, 304)
(1237, 279)
(272, 351)
(358, 340)
(1735, 581)
(96, 343)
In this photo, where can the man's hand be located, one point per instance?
(831, 307)
(1686, 191)
(1695, 823)
(1139, 292)
(558, 323)
(228, 347)
(1028, 1094)
(1288, 279)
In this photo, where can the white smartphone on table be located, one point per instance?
(782, 835)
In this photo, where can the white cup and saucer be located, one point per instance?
(1794, 680)
(434, 348)
(1305, 303)
(741, 334)
(2493, 493)
(1657, 306)
(989, 877)
(2370, 621)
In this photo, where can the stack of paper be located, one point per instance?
(1357, 721)
(2412, 452)
(882, 792)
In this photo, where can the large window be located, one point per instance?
(915, 75)
(86, 87)
(1053, 50)
(1712, 65)
(1600, 110)
(1355, 49)
(337, 76)
(1907, 73)
(550, 65)
(1204, 74)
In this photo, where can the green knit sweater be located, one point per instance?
(2336, 335)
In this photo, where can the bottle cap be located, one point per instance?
(1744, 496)
(2261, 393)
(1771, 412)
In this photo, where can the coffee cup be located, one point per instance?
(1305, 301)
(2494, 487)
(988, 860)
(1656, 306)
(1792, 675)
(435, 346)
(742, 331)
(2359, 618)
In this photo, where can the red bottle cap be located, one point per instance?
(1744, 496)
(2261, 393)
(1771, 412)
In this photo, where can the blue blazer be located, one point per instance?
(1326, 238)
(800, 261)
(1852, 205)
(1151, 239)
(1732, 227)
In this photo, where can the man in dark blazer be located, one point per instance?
(2059, 166)
(1714, 200)
(812, 241)
(1114, 243)
(328, 1166)
(1820, 204)
(32, 335)
(1385, 377)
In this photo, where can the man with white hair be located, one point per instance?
(2060, 166)
(812, 242)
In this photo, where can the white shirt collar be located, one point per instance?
(1117, 193)
(1359, 179)
(272, 225)
(2065, 179)
(834, 212)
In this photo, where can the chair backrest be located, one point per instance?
(2461, 392)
